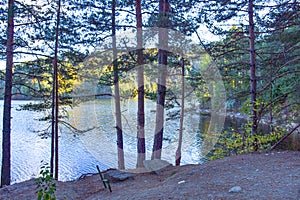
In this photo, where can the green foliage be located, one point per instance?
(43, 106)
(233, 142)
(33, 79)
(45, 184)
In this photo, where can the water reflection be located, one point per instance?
(28, 149)
(80, 153)
(100, 115)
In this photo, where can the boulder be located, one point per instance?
(114, 175)
(155, 165)
(235, 189)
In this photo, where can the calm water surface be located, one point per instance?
(79, 153)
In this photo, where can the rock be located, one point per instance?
(191, 173)
(155, 165)
(235, 189)
(115, 175)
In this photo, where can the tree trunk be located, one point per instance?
(52, 151)
(252, 69)
(6, 151)
(271, 100)
(55, 103)
(178, 151)
(162, 74)
(141, 148)
(121, 163)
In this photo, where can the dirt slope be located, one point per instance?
(274, 175)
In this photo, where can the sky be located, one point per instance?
(202, 31)
(2, 65)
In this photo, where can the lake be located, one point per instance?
(80, 153)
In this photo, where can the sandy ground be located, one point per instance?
(274, 175)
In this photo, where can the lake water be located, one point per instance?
(80, 153)
(28, 149)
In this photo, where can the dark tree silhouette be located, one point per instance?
(162, 75)
(141, 148)
(6, 143)
(121, 163)
(55, 106)
(252, 68)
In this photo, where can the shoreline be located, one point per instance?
(259, 175)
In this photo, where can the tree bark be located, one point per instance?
(55, 103)
(162, 74)
(52, 151)
(6, 141)
(178, 151)
(121, 163)
(141, 147)
(252, 69)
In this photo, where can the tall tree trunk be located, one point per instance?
(271, 100)
(178, 151)
(121, 163)
(6, 151)
(141, 148)
(55, 99)
(162, 74)
(52, 151)
(252, 69)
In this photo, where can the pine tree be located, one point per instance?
(164, 8)
(121, 163)
(215, 14)
(6, 141)
(55, 103)
(141, 146)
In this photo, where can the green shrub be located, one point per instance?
(45, 184)
(233, 142)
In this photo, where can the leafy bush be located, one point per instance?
(45, 184)
(233, 142)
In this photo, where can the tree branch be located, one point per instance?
(284, 137)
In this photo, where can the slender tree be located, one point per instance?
(178, 151)
(162, 75)
(6, 141)
(55, 107)
(121, 163)
(228, 11)
(252, 68)
(53, 114)
(141, 148)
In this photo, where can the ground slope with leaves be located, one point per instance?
(274, 175)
